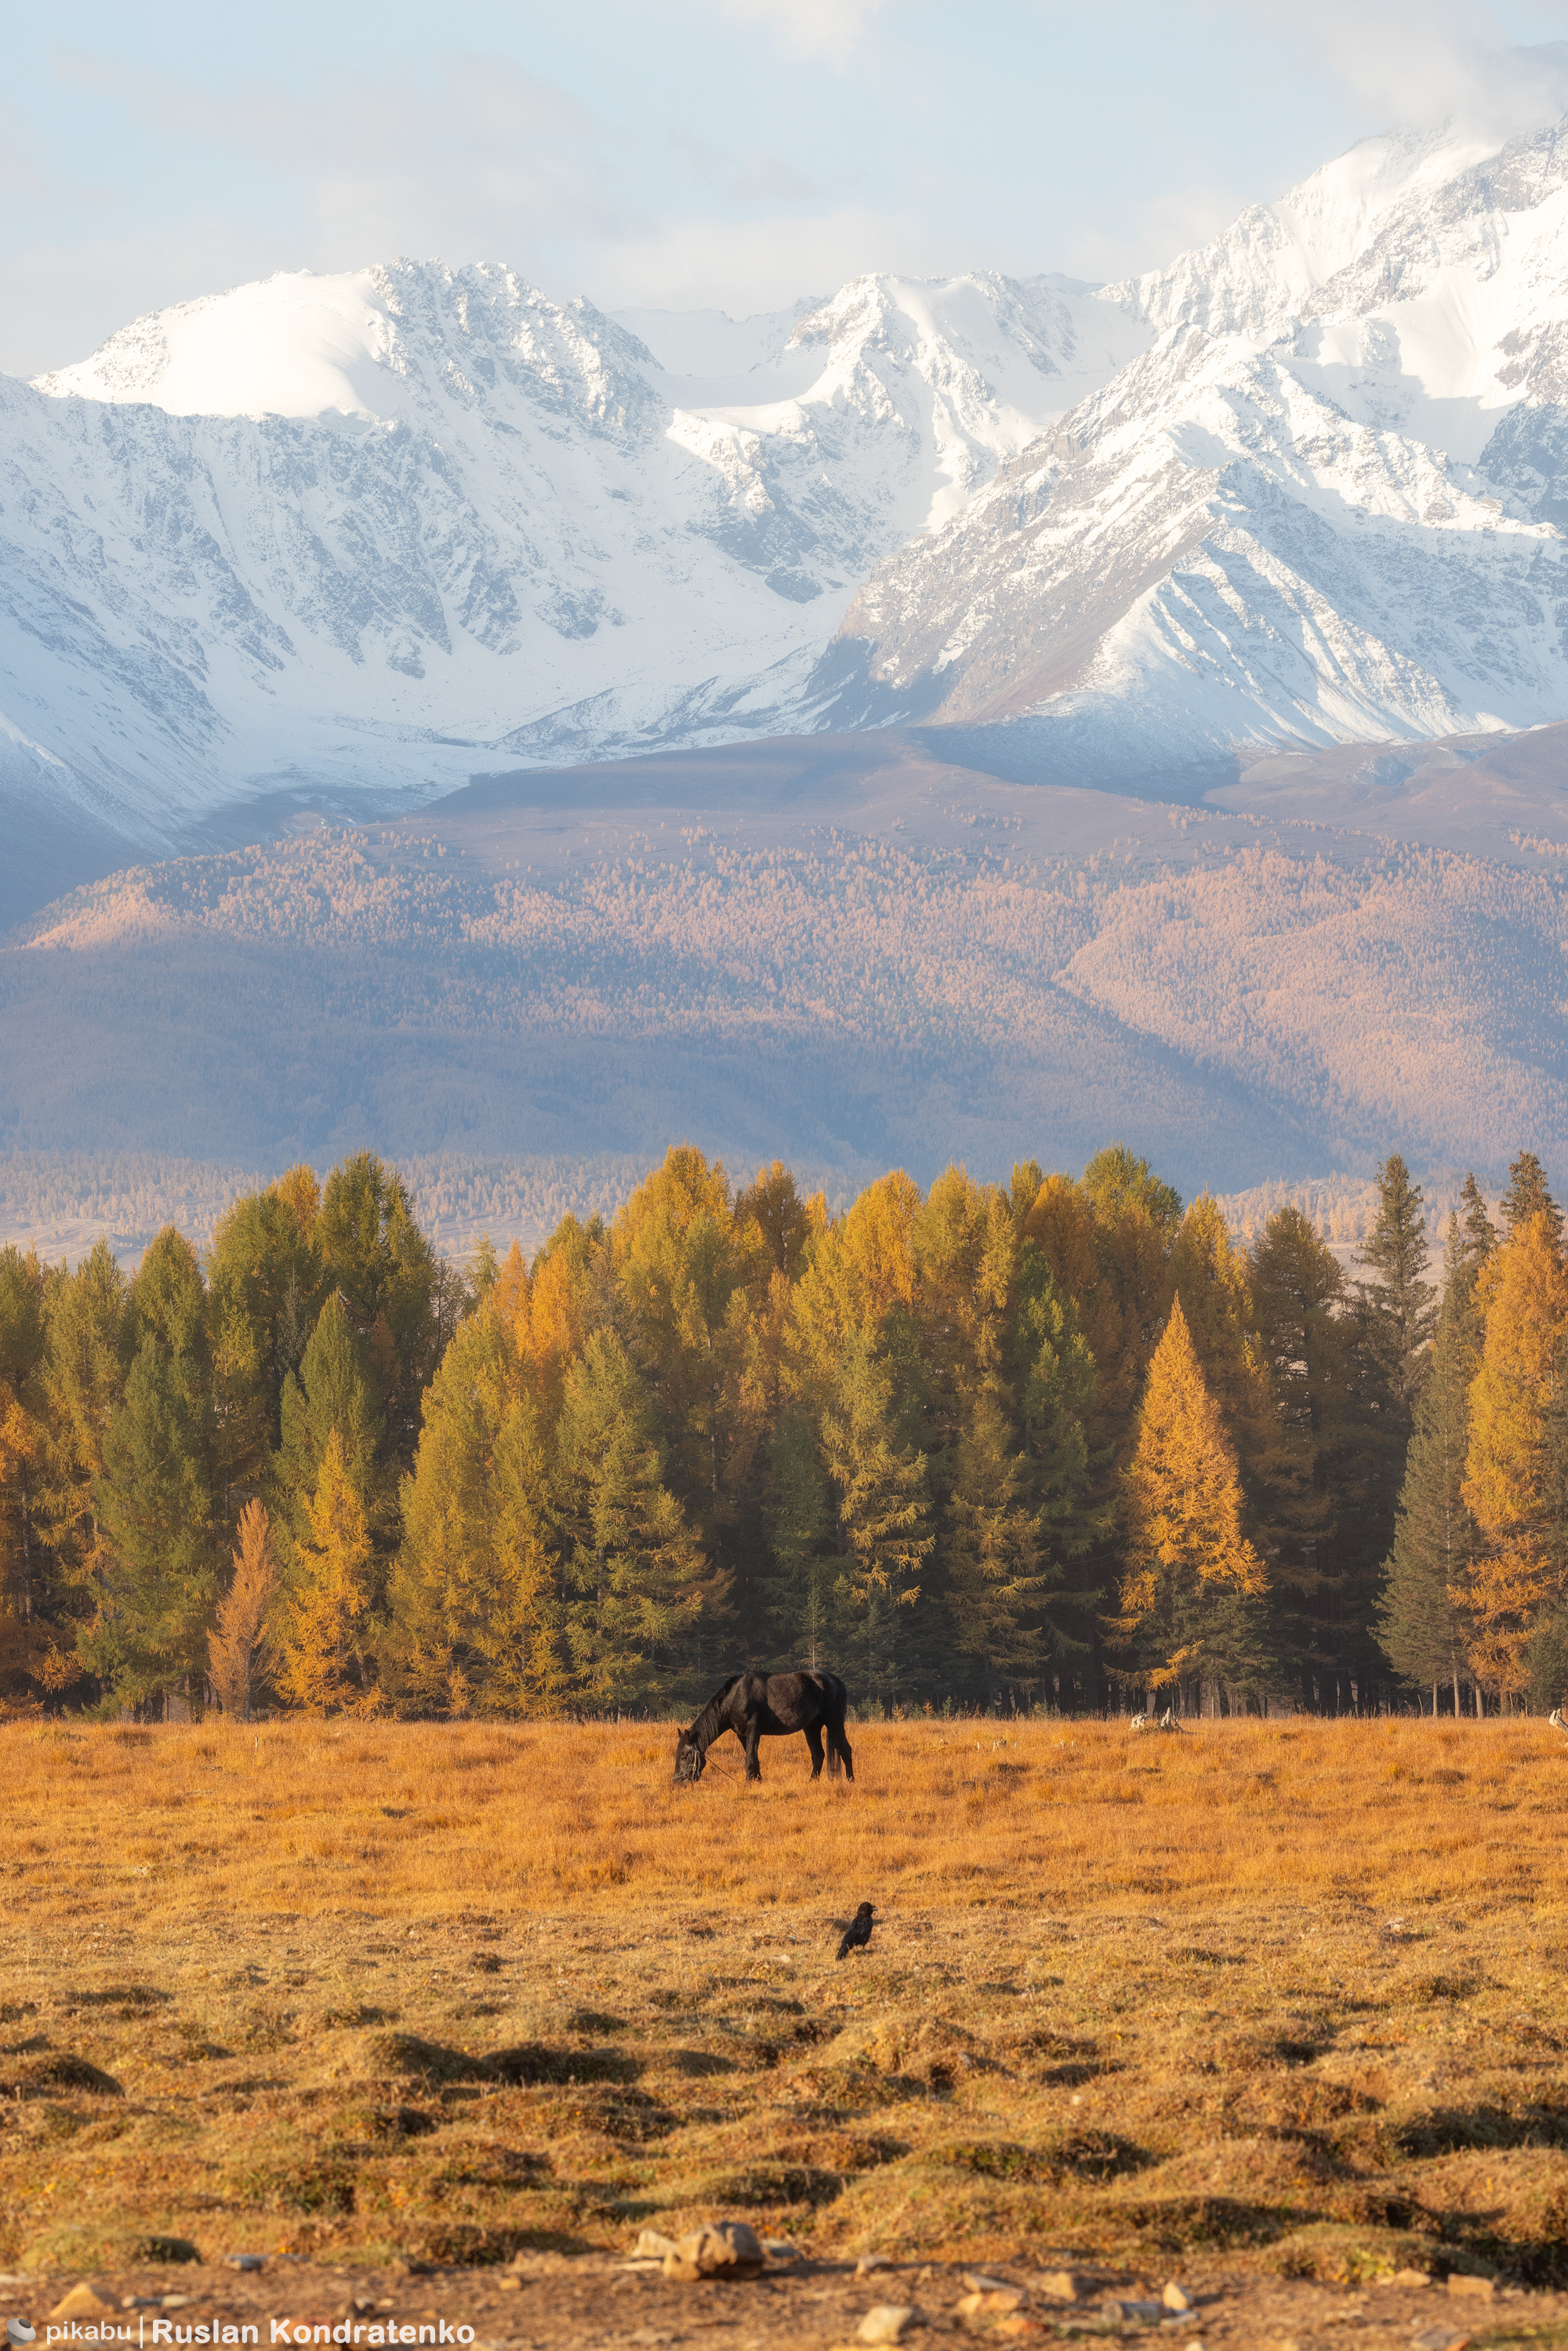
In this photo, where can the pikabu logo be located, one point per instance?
(18, 2332)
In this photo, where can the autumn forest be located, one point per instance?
(1055, 1445)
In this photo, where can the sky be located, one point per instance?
(689, 153)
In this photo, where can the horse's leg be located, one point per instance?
(842, 1746)
(753, 1734)
(814, 1741)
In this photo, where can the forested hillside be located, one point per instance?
(1260, 997)
(1060, 1443)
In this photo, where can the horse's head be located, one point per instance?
(690, 1761)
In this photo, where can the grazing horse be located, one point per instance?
(769, 1706)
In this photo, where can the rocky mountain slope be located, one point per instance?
(386, 529)
(1325, 505)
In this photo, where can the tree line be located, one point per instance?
(1058, 1442)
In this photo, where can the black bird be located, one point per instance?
(857, 1933)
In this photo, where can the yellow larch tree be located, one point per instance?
(239, 1646)
(323, 1665)
(1523, 1291)
(1189, 1570)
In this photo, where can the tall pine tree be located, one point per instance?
(1422, 1623)
(155, 1496)
(477, 1604)
(1528, 1195)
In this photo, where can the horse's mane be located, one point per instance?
(704, 1729)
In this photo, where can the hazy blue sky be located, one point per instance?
(738, 152)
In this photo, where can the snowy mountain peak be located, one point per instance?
(1265, 269)
(395, 525)
(391, 342)
(414, 519)
(1326, 504)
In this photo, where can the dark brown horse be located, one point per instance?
(769, 1706)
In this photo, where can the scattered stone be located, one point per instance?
(884, 2322)
(246, 2261)
(1410, 2277)
(997, 2299)
(510, 2283)
(1439, 2338)
(140, 2302)
(779, 2249)
(1018, 2324)
(979, 2283)
(1132, 2313)
(1058, 2286)
(81, 2303)
(869, 2261)
(732, 2250)
(1473, 2286)
(1176, 2297)
(652, 2246)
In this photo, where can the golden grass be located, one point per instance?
(1289, 1992)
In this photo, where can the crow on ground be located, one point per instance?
(857, 1933)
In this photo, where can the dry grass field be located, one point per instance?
(1288, 1997)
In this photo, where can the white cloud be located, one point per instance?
(485, 150)
(484, 163)
(1179, 220)
(1405, 64)
(763, 264)
(808, 28)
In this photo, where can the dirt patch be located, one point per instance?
(553, 2300)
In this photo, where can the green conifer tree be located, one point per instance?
(643, 1595)
(800, 1614)
(1399, 1303)
(999, 1581)
(1393, 1318)
(477, 1604)
(1420, 1625)
(880, 1480)
(397, 1290)
(1529, 1195)
(29, 1644)
(155, 1499)
(266, 1283)
(334, 1388)
(1307, 1476)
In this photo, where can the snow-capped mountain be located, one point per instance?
(393, 526)
(389, 528)
(1326, 504)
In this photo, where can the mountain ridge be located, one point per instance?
(348, 540)
(501, 530)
